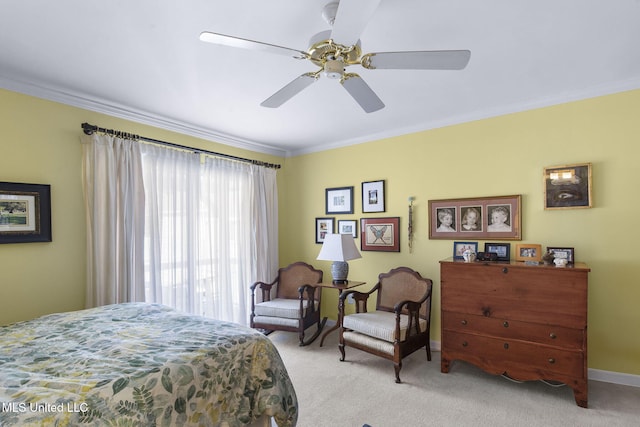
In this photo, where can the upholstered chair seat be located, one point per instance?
(400, 323)
(290, 303)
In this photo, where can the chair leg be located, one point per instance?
(341, 347)
(316, 334)
(397, 367)
(428, 351)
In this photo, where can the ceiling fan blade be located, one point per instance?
(417, 60)
(351, 19)
(362, 93)
(232, 41)
(290, 90)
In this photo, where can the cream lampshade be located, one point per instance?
(339, 248)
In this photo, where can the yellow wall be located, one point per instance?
(499, 156)
(39, 143)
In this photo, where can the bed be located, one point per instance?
(140, 364)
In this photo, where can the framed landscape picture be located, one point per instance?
(25, 212)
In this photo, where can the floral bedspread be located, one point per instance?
(140, 365)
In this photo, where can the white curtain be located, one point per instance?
(114, 199)
(211, 232)
(177, 228)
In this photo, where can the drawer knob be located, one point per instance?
(552, 360)
(505, 270)
(464, 322)
(505, 324)
(553, 336)
(464, 343)
(506, 346)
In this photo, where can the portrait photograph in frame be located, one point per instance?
(568, 186)
(324, 226)
(486, 218)
(348, 226)
(339, 200)
(25, 213)
(503, 250)
(460, 247)
(564, 252)
(373, 196)
(380, 234)
(528, 252)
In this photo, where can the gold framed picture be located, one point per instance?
(568, 186)
(528, 252)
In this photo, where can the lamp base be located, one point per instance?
(339, 272)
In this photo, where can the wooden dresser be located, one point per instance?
(528, 322)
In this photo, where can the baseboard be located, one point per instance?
(594, 374)
(614, 377)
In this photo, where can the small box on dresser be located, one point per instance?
(528, 322)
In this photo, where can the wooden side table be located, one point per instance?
(339, 288)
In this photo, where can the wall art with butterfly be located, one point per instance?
(380, 234)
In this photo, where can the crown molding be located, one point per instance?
(112, 109)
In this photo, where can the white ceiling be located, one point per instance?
(142, 60)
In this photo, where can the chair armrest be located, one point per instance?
(265, 289)
(311, 297)
(413, 309)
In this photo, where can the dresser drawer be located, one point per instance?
(511, 291)
(551, 335)
(518, 359)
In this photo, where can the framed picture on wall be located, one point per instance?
(25, 212)
(380, 234)
(487, 218)
(339, 200)
(373, 196)
(348, 226)
(324, 226)
(568, 186)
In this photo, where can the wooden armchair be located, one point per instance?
(400, 323)
(296, 305)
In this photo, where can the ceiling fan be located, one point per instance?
(336, 49)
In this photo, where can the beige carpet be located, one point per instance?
(362, 390)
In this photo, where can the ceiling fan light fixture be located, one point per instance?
(333, 69)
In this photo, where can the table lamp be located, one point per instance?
(339, 248)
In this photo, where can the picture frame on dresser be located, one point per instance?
(563, 252)
(25, 212)
(528, 252)
(460, 247)
(476, 218)
(503, 250)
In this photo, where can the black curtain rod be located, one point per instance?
(90, 129)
